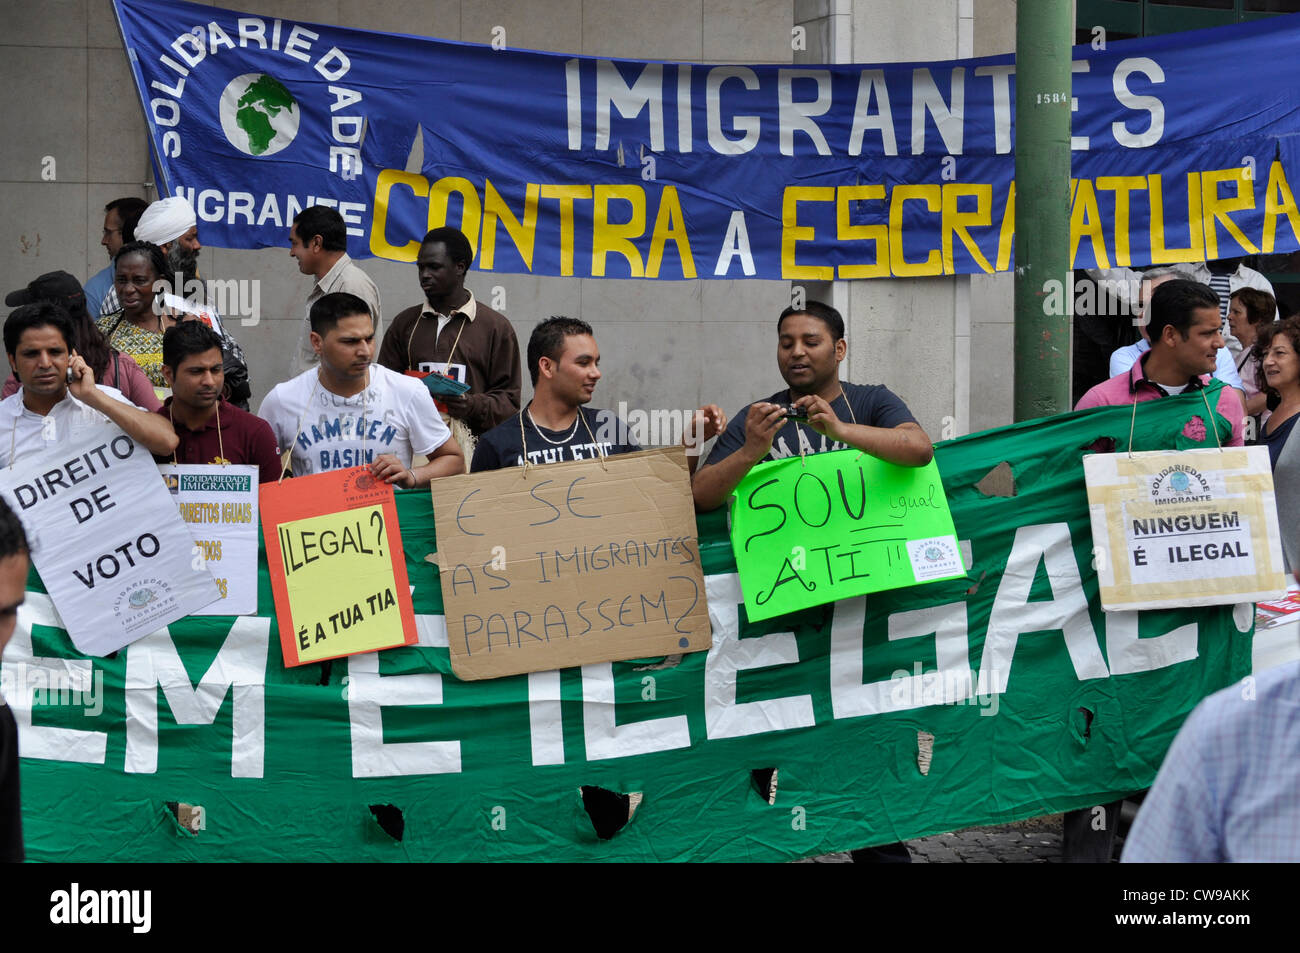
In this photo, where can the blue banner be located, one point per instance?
(1183, 150)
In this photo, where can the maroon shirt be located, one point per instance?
(244, 438)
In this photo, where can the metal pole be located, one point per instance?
(1044, 35)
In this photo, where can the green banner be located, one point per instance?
(810, 530)
(1001, 695)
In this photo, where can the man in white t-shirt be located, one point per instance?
(349, 412)
(59, 398)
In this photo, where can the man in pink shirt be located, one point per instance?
(1184, 330)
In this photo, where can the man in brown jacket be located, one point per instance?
(455, 334)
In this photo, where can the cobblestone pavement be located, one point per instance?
(1035, 841)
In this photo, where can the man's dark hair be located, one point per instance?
(458, 249)
(323, 221)
(822, 312)
(157, 259)
(13, 540)
(128, 226)
(547, 340)
(1172, 304)
(328, 311)
(186, 338)
(59, 287)
(89, 340)
(39, 315)
(127, 208)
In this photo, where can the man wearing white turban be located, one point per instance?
(169, 220)
(171, 225)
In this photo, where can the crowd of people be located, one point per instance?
(439, 392)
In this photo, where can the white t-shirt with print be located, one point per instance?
(393, 414)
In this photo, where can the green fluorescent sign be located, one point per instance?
(811, 530)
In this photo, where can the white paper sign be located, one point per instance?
(1184, 528)
(219, 505)
(104, 535)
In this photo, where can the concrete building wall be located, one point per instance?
(992, 296)
(68, 96)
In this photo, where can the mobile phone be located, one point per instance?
(795, 413)
(72, 375)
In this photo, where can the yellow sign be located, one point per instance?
(338, 574)
(340, 582)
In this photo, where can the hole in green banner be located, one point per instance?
(764, 781)
(609, 811)
(389, 818)
(186, 817)
(999, 481)
(1081, 724)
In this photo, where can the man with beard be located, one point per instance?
(455, 334)
(170, 224)
(816, 413)
(116, 214)
(557, 426)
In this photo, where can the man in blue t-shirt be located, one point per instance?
(556, 427)
(816, 413)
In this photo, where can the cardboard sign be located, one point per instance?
(570, 563)
(219, 504)
(338, 571)
(811, 530)
(1184, 528)
(110, 547)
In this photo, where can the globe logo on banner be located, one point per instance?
(1180, 483)
(140, 598)
(258, 114)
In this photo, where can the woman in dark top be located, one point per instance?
(1277, 357)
